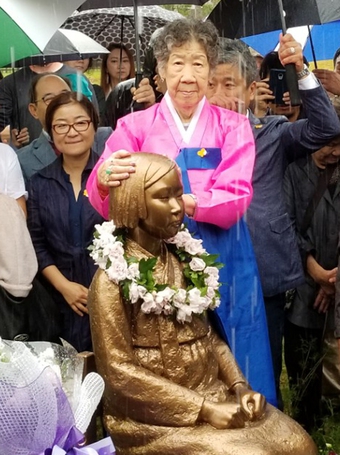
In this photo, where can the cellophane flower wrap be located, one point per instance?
(44, 407)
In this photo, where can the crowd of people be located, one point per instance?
(261, 190)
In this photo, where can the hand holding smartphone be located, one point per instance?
(278, 85)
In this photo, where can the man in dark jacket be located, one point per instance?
(126, 98)
(41, 152)
(278, 141)
(317, 231)
(14, 96)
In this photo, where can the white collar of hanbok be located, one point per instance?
(185, 133)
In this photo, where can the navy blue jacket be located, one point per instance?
(48, 222)
(277, 143)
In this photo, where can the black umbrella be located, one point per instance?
(121, 24)
(93, 4)
(240, 18)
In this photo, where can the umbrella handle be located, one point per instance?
(292, 84)
(291, 77)
(138, 78)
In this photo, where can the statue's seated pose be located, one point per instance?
(172, 386)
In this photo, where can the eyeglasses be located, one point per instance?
(79, 127)
(48, 98)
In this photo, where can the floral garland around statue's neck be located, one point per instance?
(136, 277)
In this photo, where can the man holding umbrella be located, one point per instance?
(278, 141)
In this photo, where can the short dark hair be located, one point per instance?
(70, 98)
(270, 61)
(37, 78)
(336, 55)
(235, 52)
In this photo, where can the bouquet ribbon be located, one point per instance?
(102, 447)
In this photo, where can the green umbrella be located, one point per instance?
(26, 26)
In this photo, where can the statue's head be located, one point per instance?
(151, 198)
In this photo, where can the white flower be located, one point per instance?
(167, 308)
(211, 281)
(196, 301)
(114, 250)
(213, 271)
(216, 303)
(180, 297)
(98, 259)
(193, 296)
(118, 270)
(210, 292)
(194, 247)
(184, 313)
(181, 238)
(105, 228)
(107, 249)
(133, 271)
(164, 297)
(149, 304)
(133, 292)
(197, 264)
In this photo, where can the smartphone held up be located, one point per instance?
(278, 85)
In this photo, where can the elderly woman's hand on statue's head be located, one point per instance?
(117, 167)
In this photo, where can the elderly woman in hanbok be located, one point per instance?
(172, 385)
(214, 148)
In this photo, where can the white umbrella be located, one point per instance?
(63, 46)
(27, 25)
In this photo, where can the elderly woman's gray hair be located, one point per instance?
(182, 31)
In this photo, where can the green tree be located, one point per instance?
(199, 12)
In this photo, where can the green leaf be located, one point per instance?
(209, 259)
(160, 287)
(147, 264)
(125, 288)
(131, 260)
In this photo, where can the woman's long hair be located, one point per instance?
(104, 76)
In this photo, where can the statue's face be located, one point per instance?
(165, 207)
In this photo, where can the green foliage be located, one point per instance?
(211, 260)
(199, 12)
(327, 436)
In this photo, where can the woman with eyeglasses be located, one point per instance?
(60, 218)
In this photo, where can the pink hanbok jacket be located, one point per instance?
(223, 194)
